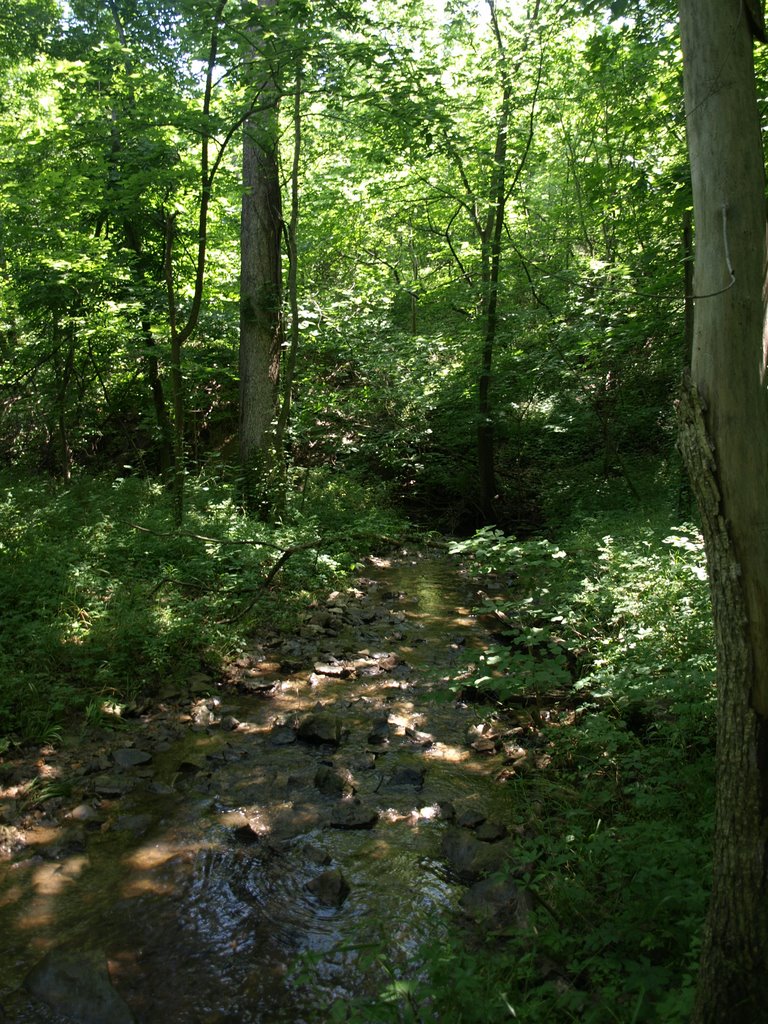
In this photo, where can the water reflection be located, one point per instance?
(200, 926)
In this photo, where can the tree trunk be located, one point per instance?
(62, 431)
(293, 277)
(260, 278)
(491, 264)
(724, 437)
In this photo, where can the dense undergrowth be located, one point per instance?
(606, 639)
(104, 602)
(603, 639)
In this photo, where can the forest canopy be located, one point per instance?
(482, 263)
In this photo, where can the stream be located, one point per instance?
(257, 848)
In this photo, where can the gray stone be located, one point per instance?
(77, 985)
(422, 739)
(447, 810)
(470, 859)
(200, 682)
(497, 903)
(85, 813)
(136, 824)
(332, 781)
(332, 669)
(379, 733)
(330, 888)
(354, 816)
(203, 716)
(321, 727)
(161, 788)
(246, 834)
(112, 785)
(257, 687)
(282, 736)
(129, 757)
(470, 819)
(407, 776)
(492, 832)
(317, 855)
(460, 850)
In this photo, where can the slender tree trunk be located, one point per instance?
(260, 283)
(491, 263)
(490, 234)
(724, 437)
(180, 335)
(293, 277)
(162, 419)
(62, 431)
(176, 375)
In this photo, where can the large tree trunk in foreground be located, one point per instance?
(260, 276)
(724, 437)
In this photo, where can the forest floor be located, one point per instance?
(279, 840)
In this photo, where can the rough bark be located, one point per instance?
(724, 438)
(260, 274)
(293, 274)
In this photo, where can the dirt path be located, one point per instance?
(257, 847)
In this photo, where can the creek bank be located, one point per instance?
(301, 791)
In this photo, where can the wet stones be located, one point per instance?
(200, 682)
(407, 777)
(282, 735)
(379, 733)
(497, 903)
(257, 687)
(319, 728)
(483, 739)
(316, 855)
(460, 849)
(330, 888)
(246, 834)
(337, 670)
(77, 984)
(136, 824)
(86, 814)
(421, 739)
(334, 781)
(354, 816)
(470, 819)
(473, 855)
(112, 785)
(491, 832)
(130, 757)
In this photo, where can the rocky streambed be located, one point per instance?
(258, 847)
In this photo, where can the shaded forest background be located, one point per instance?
(482, 320)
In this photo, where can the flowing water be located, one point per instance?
(193, 883)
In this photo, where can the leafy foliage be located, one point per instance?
(611, 634)
(105, 599)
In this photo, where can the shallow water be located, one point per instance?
(199, 927)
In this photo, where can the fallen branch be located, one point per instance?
(287, 552)
(212, 540)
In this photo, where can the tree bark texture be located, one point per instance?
(724, 439)
(293, 275)
(260, 275)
